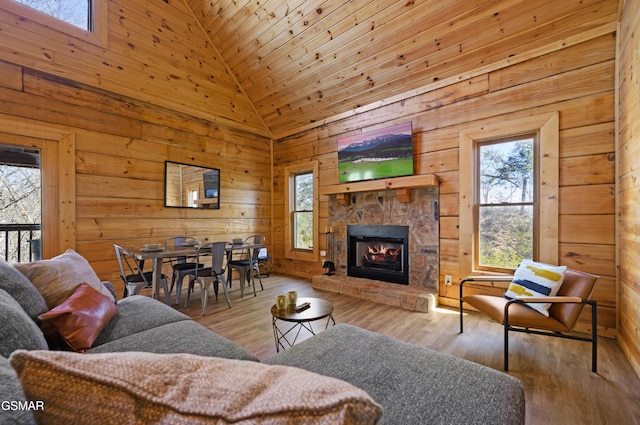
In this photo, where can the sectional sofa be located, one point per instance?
(90, 359)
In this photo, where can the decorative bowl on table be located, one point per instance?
(237, 241)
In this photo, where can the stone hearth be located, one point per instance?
(377, 291)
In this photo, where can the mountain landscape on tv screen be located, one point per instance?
(376, 156)
(386, 146)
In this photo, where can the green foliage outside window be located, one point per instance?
(506, 236)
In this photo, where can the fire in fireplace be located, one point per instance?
(383, 255)
(378, 252)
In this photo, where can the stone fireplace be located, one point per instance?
(419, 214)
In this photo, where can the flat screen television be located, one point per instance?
(211, 183)
(378, 154)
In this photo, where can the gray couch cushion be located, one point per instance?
(11, 391)
(412, 384)
(185, 336)
(137, 314)
(21, 289)
(18, 331)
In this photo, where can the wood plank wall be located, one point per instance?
(156, 91)
(577, 81)
(628, 181)
(156, 52)
(121, 146)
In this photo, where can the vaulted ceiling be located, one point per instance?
(301, 62)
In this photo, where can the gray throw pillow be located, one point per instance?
(22, 290)
(18, 331)
(10, 393)
(59, 277)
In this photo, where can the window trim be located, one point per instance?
(289, 173)
(296, 212)
(547, 127)
(478, 205)
(97, 36)
(57, 164)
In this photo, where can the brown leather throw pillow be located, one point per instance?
(79, 319)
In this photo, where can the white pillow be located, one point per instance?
(533, 279)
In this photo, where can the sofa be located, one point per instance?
(148, 363)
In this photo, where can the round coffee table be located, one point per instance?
(318, 309)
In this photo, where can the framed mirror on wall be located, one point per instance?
(191, 186)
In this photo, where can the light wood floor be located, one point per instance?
(559, 385)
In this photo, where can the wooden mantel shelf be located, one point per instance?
(402, 186)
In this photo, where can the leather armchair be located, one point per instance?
(574, 293)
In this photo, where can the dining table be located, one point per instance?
(157, 256)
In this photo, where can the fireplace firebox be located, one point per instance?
(378, 252)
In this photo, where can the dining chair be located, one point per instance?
(255, 257)
(519, 314)
(180, 265)
(247, 264)
(132, 275)
(209, 276)
(265, 262)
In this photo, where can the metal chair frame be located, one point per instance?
(265, 263)
(247, 266)
(213, 275)
(181, 267)
(136, 279)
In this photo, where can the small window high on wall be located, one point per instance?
(86, 20)
(75, 12)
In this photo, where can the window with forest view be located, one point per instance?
(75, 12)
(20, 203)
(303, 211)
(506, 202)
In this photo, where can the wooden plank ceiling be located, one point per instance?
(302, 62)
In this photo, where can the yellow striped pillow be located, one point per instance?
(533, 279)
